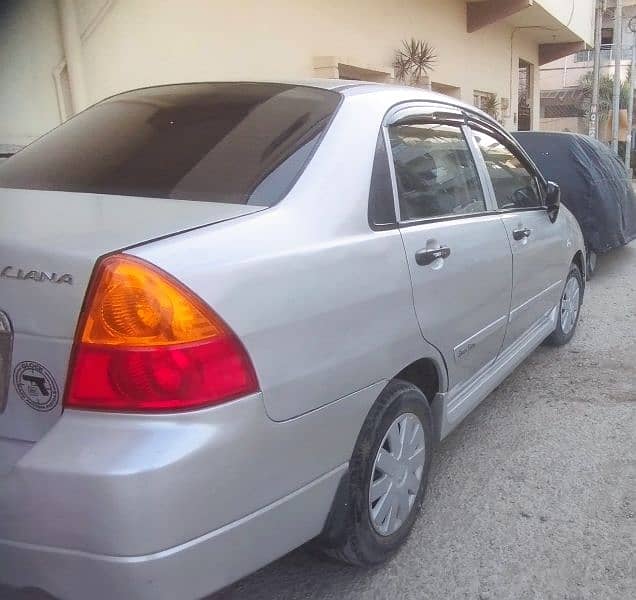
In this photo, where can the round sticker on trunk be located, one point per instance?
(35, 385)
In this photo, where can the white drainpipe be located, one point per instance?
(73, 51)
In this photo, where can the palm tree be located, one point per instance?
(491, 105)
(605, 94)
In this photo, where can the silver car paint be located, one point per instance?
(121, 474)
(535, 291)
(311, 286)
(63, 233)
(469, 335)
(144, 503)
(179, 505)
(190, 570)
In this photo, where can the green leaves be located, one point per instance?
(414, 61)
(490, 105)
(605, 93)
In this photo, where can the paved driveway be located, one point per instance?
(533, 496)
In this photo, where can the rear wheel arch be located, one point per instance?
(425, 374)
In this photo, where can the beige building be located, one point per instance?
(566, 72)
(562, 106)
(57, 57)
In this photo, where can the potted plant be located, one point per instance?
(413, 62)
(490, 105)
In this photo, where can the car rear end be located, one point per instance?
(134, 442)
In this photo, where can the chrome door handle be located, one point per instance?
(519, 234)
(427, 256)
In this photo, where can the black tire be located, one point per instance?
(558, 337)
(357, 542)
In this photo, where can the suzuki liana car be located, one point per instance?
(236, 317)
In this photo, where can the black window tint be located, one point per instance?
(381, 204)
(515, 186)
(241, 143)
(435, 172)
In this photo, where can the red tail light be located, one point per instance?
(146, 343)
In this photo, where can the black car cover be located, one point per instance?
(594, 184)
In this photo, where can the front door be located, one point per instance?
(535, 241)
(456, 246)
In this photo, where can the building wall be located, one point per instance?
(576, 15)
(30, 47)
(567, 71)
(281, 38)
(574, 124)
(134, 43)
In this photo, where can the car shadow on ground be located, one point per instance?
(611, 262)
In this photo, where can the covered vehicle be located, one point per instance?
(594, 186)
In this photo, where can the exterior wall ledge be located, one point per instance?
(347, 67)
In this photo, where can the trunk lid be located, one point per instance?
(49, 243)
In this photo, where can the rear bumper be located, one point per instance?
(190, 570)
(140, 506)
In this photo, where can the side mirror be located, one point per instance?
(553, 200)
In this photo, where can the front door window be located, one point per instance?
(515, 187)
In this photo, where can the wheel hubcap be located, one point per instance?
(570, 302)
(397, 474)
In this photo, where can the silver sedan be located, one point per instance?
(237, 317)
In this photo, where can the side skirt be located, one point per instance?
(450, 408)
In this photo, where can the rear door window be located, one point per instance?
(434, 171)
(239, 143)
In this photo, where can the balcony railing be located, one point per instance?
(607, 54)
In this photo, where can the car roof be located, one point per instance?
(349, 87)
(393, 93)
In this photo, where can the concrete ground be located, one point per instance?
(532, 497)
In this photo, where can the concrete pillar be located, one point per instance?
(72, 42)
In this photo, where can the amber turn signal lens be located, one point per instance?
(136, 305)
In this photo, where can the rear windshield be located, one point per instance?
(239, 143)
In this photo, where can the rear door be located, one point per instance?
(537, 248)
(456, 245)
